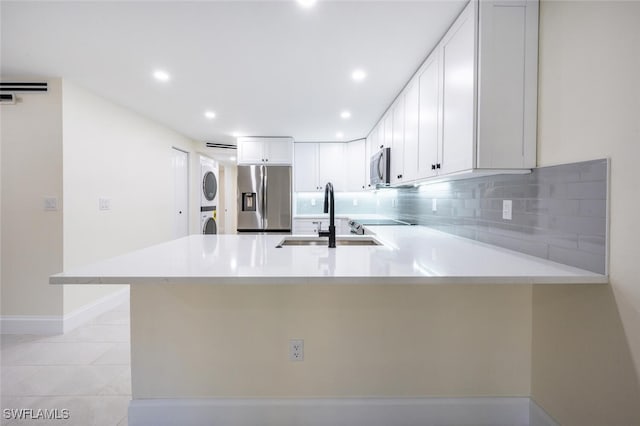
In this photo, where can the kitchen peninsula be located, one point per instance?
(424, 314)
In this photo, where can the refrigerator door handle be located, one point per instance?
(264, 196)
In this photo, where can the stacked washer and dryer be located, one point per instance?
(209, 196)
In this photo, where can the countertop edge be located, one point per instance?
(288, 280)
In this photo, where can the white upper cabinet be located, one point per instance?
(250, 151)
(356, 166)
(315, 164)
(387, 122)
(429, 118)
(397, 142)
(332, 165)
(381, 137)
(276, 151)
(507, 83)
(471, 107)
(305, 167)
(411, 131)
(371, 146)
(458, 52)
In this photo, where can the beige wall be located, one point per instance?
(589, 107)
(109, 151)
(360, 340)
(582, 369)
(31, 170)
(106, 151)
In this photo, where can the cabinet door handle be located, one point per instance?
(362, 186)
(381, 146)
(438, 166)
(433, 167)
(399, 176)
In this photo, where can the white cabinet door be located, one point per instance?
(380, 140)
(368, 152)
(411, 131)
(430, 113)
(278, 151)
(388, 130)
(305, 167)
(250, 151)
(307, 226)
(332, 164)
(356, 170)
(397, 144)
(458, 47)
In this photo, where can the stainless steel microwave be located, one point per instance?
(380, 167)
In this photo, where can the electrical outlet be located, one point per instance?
(434, 205)
(296, 350)
(104, 203)
(507, 209)
(50, 203)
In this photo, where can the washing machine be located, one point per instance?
(208, 221)
(208, 195)
(208, 183)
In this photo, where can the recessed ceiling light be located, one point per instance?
(358, 75)
(345, 114)
(210, 114)
(161, 75)
(306, 3)
(339, 135)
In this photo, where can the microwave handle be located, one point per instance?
(380, 172)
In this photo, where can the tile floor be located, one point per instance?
(87, 371)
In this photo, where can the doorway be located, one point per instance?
(180, 208)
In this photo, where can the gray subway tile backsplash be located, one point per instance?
(559, 212)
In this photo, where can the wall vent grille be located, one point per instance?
(220, 145)
(18, 87)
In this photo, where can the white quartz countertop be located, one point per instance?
(409, 255)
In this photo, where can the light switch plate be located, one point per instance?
(104, 204)
(50, 203)
(507, 209)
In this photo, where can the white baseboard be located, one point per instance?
(88, 312)
(539, 417)
(331, 412)
(31, 324)
(47, 325)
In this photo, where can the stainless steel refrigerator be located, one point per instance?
(264, 198)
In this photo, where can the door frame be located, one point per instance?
(188, 189)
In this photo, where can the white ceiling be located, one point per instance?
(267, 68)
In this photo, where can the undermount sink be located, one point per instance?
(324, 241)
